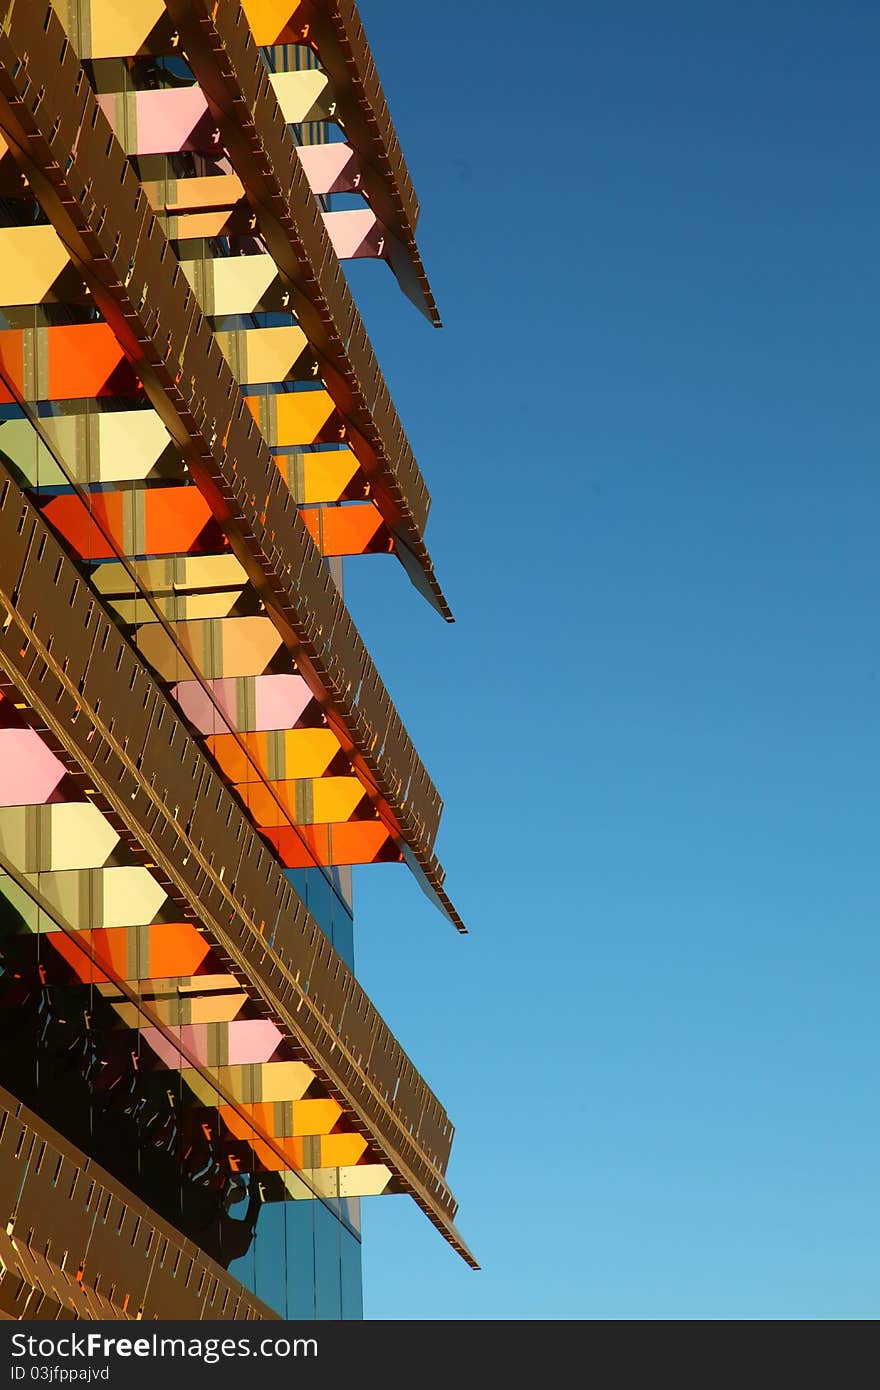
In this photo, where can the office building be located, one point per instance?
(195, 745)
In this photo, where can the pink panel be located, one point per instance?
(357, 233)
(194, 702)
(330, 168)
(167, 119)
(250, 1040)
(280, 702)
(29, 771)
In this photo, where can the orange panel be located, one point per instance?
(174, 949)
(174, 519)
(233, 758)
(309, 1117)
(351, 530)
(348, 842)
(274, 21)
(263, 805)
(336, 1151)
(341, 1150)
(85, 359)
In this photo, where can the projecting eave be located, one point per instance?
(420, 568)
(346, 56)
(227, 65)
(334, 30)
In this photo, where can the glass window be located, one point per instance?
(320, 901)
(343, 932)
(300, 1226)
(271, 1256)
(328, 1281)
(352, 1287)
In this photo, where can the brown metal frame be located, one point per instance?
(92, 698)
(337, 33)
(219, 48)
(62, 141)
(74, 1242)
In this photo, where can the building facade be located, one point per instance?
(195, 745)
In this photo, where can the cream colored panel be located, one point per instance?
(171, 574)
(130, 442)
(175, 608)
(124, 897)
(304, 96)
(362, 1180)
(73, 835)
(20, 442)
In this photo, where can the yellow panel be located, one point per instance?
(253, 1082)
(91, 446)
(31, 259)
(335, 798)
(314, 1116)
(307, 752)
(171, 574)
(293, 418)
(175, 608)
(191, 225)
(180, 195)
(176, 1011)
(303, 414)
(327, 475)
(229, 647)
(259, 355)
(119, 27)
(273, 352)
(318, 477)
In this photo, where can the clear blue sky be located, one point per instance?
(650, 431)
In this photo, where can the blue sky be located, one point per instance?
(650, 431)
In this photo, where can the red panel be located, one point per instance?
(85, 360)
(176, 520)
(11, 363)
(80, 526)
